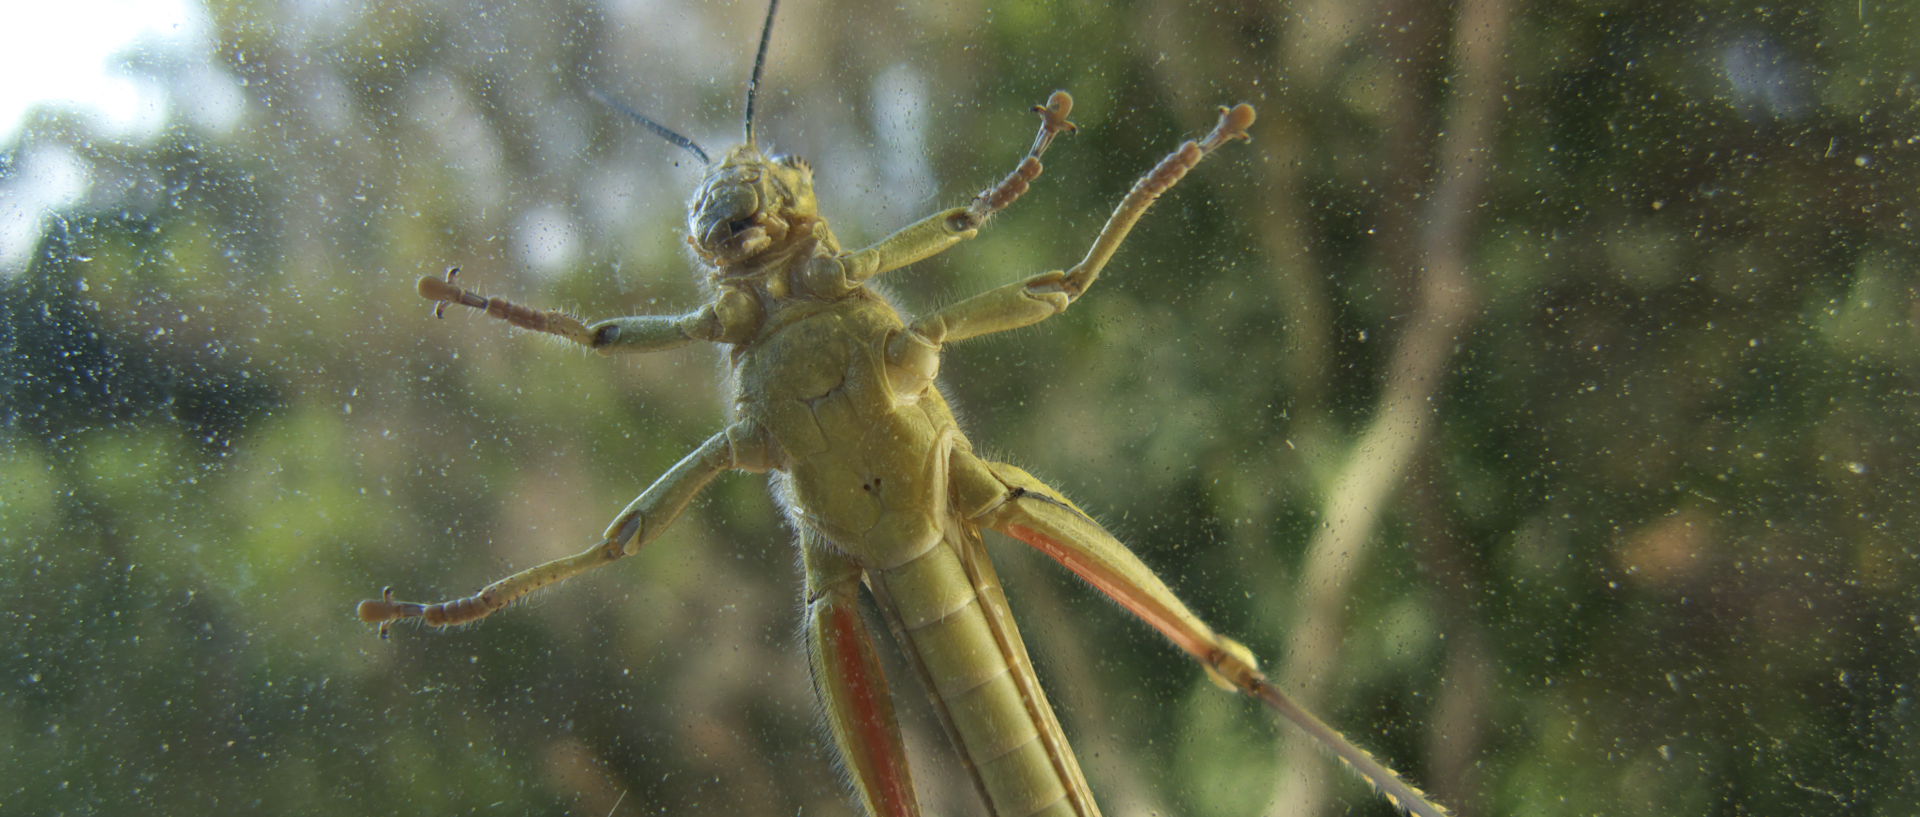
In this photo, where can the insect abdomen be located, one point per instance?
(979, 675)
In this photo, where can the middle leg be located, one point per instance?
(641, 521)
(914, 353)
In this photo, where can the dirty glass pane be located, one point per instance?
(1537, 393)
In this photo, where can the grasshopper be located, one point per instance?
(834, 395)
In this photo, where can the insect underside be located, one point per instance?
(834, 395)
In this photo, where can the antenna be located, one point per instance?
(658, 129)
(759, 65)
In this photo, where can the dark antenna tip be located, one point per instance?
(759, 64)
(658, 129)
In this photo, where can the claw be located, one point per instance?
(384, 611)
(443, 291)
(1053, 121)
(440, 311)
(1233, 125)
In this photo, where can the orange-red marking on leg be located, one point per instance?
(1116, 588)
(872, 716)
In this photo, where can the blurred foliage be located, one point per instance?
(1656, 557)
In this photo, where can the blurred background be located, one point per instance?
(1536, 393)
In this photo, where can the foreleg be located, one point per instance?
(642, 520)
(940, 231)
(640, 333)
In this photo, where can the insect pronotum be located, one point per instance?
(834, 397)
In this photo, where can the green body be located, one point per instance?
(833, 392)
(876, 472)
